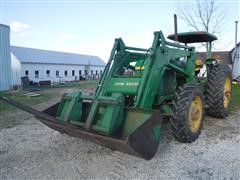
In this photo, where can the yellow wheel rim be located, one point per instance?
(195, 114)
(227, 91)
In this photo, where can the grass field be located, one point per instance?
(235, 101)
(77, 84)
(30, 101)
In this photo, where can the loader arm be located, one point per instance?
(157, 59)
(161, 60)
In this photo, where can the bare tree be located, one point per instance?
(204, 15)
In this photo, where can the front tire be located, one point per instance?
(188, 113)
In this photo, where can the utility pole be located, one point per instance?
(235, 49)
(234, 62)
(236, 27)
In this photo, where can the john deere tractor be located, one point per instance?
(141, 87)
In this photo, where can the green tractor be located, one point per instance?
(141, 87)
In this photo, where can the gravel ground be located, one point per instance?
(30, 150)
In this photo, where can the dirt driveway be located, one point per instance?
(31, 150)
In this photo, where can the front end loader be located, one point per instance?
(137, 89)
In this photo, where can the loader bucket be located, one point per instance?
(138, 136)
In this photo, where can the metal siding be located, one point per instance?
(29, 55)
(16, 70)
(5, 61)
(42, 68)
(236, 66)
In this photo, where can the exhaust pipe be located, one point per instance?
(175, 27)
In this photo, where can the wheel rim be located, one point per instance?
(227, 91)
(195, 114)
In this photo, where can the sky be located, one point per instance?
(90, 27)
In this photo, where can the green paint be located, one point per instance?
(156, 133)
(70, 108)
(110, 117)
(123, 85)
(166, 109)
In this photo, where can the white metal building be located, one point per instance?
(235, 53)
(42, 65)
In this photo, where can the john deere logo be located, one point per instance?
(126, 83)
(119, 83)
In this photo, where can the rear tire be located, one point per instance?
(218, 91)
(188, 113)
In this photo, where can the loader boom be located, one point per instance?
(162, 56)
